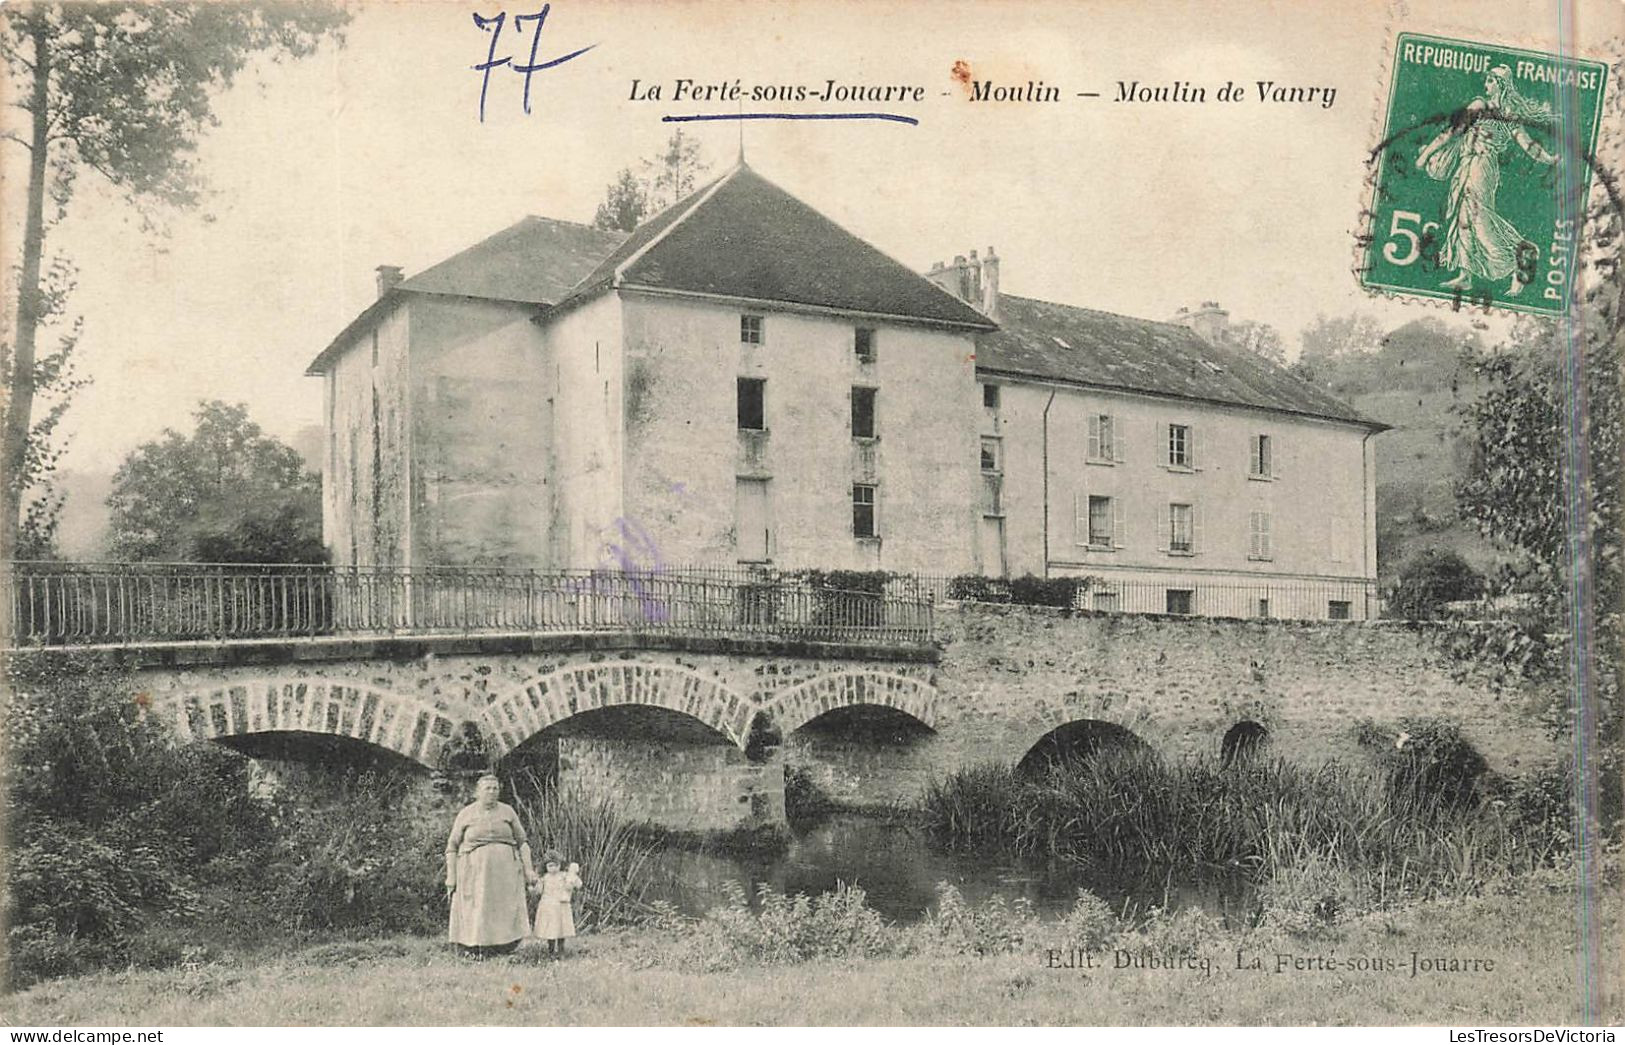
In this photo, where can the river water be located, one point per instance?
(898, 869)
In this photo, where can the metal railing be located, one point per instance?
(63, 604)
(1192, 595)
(1328, 599)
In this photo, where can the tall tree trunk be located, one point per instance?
(20, 409)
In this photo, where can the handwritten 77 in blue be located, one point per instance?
(494, 25)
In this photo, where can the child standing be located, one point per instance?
(554, 921)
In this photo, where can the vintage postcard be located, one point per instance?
(839, 514)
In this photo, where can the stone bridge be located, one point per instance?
(698, 733)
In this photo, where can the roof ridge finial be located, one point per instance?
(741, 133)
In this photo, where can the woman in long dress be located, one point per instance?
(1477, 242)
(488, 865)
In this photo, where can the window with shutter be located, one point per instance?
(1258, 535)
(1179, 446)
(1259, 463)
(1181, 529)
(1100, 522)
(1102, 447)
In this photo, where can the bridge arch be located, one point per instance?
(798, 705)
(530, 707)
(1243, 742)
(1079, 739)
(336, 707)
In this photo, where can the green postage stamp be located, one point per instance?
(1483, 170)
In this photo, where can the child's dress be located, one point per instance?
(554, 920)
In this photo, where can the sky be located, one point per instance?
(375, 153)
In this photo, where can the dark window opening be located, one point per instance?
(863, 344)
(863, 413)
(1259, 461)
(1340, 609)
(863, 510)
(752, 397)
(990, 455)
(1181, 600)
(990, 396)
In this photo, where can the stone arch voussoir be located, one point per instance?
(520, 713)
(336, 707)
(1049, 716)
(805, 701)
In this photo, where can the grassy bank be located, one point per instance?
(644, 977)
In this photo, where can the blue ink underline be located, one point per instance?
(894, 117)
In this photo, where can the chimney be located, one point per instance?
(990, 285)
(1209, 321)
(389, 277)
(975, 281)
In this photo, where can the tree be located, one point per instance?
(1259, 338)
(227, 493)
(1330, 339)
(1552, 493)
(626, 203)
(674, 172)
(1429, 579)
(123, 90)
(667, 177)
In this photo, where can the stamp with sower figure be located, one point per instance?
(1482, 174)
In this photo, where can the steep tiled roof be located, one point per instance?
(534, 261)
(744, 237)
(537, 260)
(1082, 346)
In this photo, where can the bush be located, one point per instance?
(1430, 579)
(976, 588)
(785, 929)
(995, 927)
(1090, 924)
(112, 824)
(871, 582)
(1029, 590)
(1426, 759)
(1046, 591)
(351, 856)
